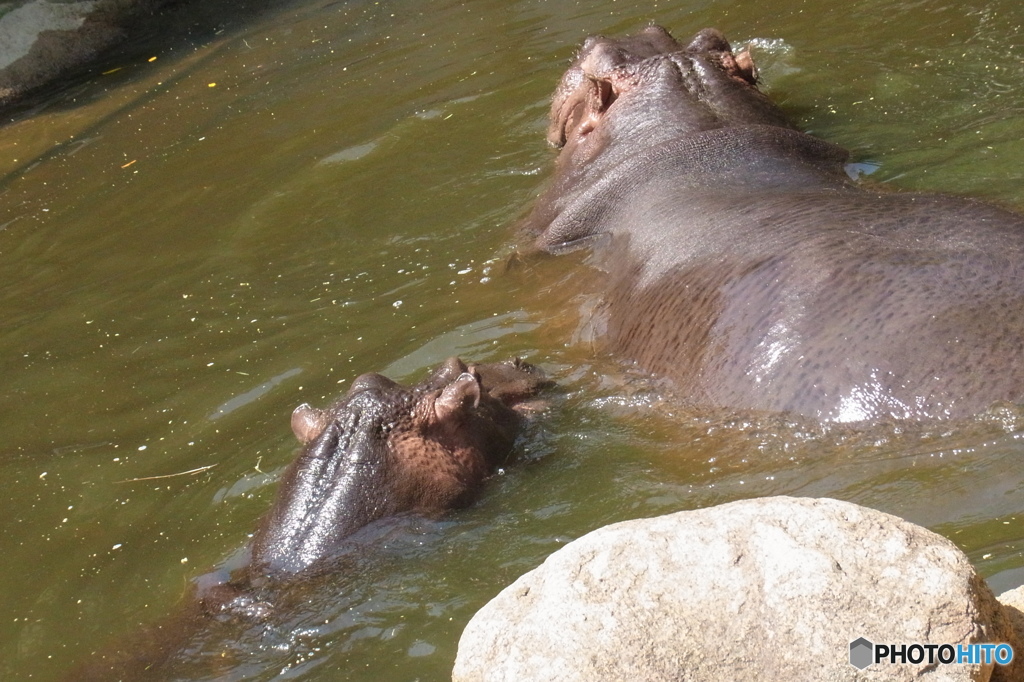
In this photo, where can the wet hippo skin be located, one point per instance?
(384, 449)
(744, 264)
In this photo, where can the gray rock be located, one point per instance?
(40, 39)
(766, 589)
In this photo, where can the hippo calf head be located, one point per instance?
(384, 448)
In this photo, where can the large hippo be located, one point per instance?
(745, 265)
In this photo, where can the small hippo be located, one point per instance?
(380, 450)
(383, 449)
(745, 265)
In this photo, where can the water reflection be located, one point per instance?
(252, 394)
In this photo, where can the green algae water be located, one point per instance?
(193, 245)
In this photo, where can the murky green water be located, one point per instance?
(192, 246)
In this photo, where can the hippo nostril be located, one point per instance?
(606, 93)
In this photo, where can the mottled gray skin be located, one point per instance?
(384, 449)
(746, 266)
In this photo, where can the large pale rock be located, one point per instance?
(1013, 606)
(768, 589)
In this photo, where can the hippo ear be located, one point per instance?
(458, 396)
(308, 423)
(604, 68)
(450, 370)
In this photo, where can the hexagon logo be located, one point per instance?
(861, 653)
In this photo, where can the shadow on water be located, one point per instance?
(179, 26)
(175, 31)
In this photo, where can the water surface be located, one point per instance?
(194, 245)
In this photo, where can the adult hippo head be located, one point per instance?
(745, 265)
(384, 448)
